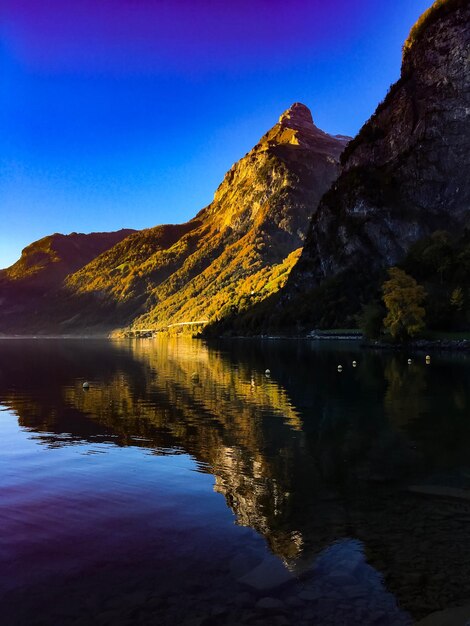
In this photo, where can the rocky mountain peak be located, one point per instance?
(298, 116)
(296, 128)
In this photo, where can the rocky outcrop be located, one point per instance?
(406, 174)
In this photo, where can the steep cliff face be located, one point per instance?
(406, 174)
(240, 247)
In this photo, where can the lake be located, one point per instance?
(188, 486)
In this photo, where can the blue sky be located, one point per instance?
(128, 113)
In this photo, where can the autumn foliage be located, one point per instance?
(403, 298)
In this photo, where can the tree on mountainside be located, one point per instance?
(403, 298)
(457, 299)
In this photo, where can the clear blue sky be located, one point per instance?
(127, 113)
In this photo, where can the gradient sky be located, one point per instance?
(127, 113)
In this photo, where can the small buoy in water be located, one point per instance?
(409, 361)
(354, 363)
(268, 372)
(428, 359)
(86, 385)
(195, 377)
(340, 368)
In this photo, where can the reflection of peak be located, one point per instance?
(298, 116)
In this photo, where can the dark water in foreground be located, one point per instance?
(158, 497)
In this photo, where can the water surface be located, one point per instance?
(188, 487)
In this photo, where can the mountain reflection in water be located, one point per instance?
(317, 462)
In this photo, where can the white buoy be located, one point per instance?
(354, 363)
(86, 385)
(409, 361)
(428, 359)
(340, 368)
(268, 372)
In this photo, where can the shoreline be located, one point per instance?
(438, 344)
(457, 345)
(445, 345)
(39, 337)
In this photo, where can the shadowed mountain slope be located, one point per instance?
(28, 284)
(404, 176)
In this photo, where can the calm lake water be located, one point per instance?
(188, 487)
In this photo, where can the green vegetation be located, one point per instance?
(331, 306)
(403, 298)
(441, 263)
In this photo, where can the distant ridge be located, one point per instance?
(28, 284)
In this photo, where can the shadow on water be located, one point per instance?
(357, 482)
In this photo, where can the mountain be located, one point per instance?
(39, 273)
(238, 249)
(403, 177)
